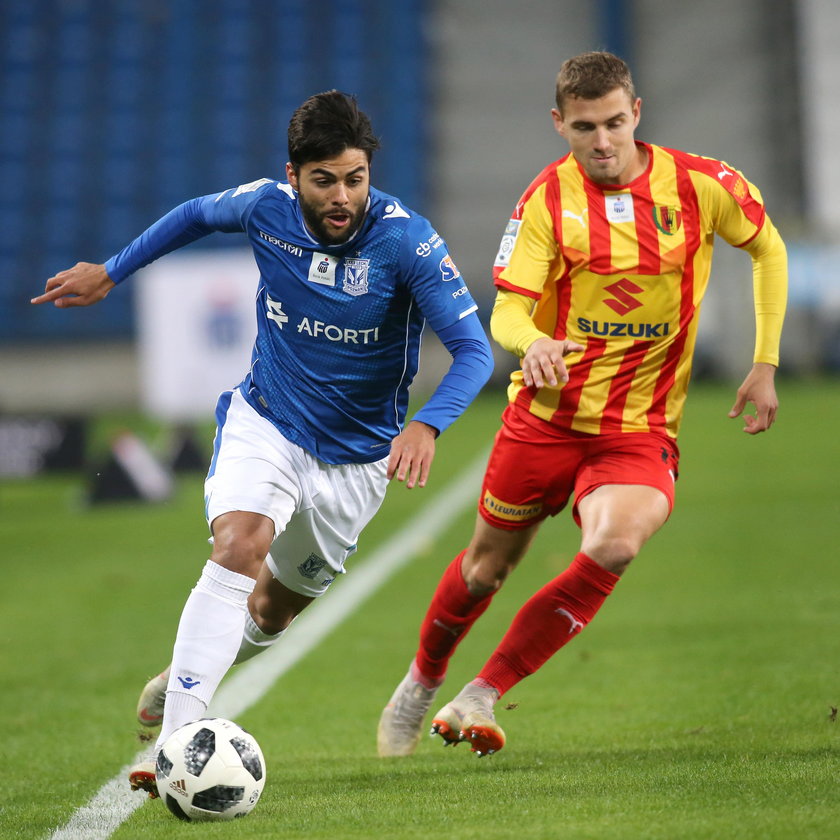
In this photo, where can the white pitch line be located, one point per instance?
(114, 803)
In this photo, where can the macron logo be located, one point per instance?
(188, 682)
(394, 211)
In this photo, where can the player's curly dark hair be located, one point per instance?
(592, 75)
(325, 125)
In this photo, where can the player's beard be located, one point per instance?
(315, 219)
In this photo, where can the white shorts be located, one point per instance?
(318, 509)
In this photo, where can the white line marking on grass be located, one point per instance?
(114, 803)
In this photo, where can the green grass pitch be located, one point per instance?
(699, 704)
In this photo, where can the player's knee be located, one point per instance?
(266, 615)
(239, 553)
(613, 553)
(485, 572)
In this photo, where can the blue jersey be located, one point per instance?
(338, 327)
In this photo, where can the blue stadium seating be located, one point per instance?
(115, 112)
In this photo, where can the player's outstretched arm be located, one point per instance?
(412, 453)
(759, 388)
(82, 285)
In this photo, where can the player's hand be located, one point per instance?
(412, 452)
(759, 389)
(82, 285)
(543, 362)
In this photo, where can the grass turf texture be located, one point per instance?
(697, 705)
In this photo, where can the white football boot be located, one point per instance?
(401, 722)
(142, 777)
(469, 717)
(152, 699)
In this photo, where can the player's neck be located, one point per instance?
(637, 167)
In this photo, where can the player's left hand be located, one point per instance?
(412, 452)
(759, 389)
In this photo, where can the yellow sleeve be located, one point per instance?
(735, 215)
(511, 324)
(770, 280)
(532, 247)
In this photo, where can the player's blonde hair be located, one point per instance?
(592, 75)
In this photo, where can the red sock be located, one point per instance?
(453, 610)
(548, 620)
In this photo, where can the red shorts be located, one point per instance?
(535, 467)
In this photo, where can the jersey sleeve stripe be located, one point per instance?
(757, 231)
(511, 287)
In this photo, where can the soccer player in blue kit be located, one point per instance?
(307, 442)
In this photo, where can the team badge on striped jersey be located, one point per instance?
(668, 219)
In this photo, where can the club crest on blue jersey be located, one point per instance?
(356, 276)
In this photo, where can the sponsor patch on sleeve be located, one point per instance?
(448, 269)
(507, 243)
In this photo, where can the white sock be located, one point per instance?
(208, 637)
(254, 640)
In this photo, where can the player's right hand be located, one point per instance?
(543, 362)
(82, 285)
(412, 453)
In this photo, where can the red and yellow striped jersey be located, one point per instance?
(622, 270)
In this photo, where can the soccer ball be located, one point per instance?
(210, 769)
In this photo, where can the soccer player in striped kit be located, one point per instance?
(600, 275)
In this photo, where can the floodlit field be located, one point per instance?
(699, 704)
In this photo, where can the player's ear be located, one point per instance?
(559, 125)
(637, 112)
(291, 176)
